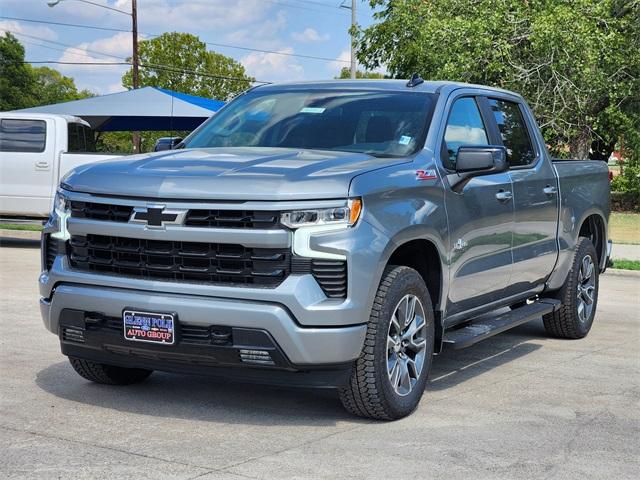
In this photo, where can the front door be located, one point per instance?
(480, 216)
(26, 166)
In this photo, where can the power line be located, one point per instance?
(81, 51)
(153, 66)
(223, 45)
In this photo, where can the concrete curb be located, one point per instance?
(619, 272)
(21, 234)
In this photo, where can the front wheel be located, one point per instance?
(389, 378)
(108, 374)
(579, 295)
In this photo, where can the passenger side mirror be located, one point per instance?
(481, 160)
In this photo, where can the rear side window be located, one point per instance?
(81, 138)
(514, 133)
(464, 127)
(18, 135)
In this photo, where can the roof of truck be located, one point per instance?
(381, 84)
(42, 116)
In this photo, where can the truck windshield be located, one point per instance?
(379, 123)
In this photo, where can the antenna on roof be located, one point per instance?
(415, 80)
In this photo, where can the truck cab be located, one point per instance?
(36, 151)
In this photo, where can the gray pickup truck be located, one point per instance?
(330, 234)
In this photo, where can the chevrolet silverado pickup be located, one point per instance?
(330, 234)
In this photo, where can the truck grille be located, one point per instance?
(101, 211)
(232, 219)
(195, 218)
(180, 261)
(50, 250)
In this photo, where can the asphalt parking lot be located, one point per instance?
(519, 405)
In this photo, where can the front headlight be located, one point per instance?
(62, 211)
(60, 203)
(346, 216)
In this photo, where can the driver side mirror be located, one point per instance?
(481, 160)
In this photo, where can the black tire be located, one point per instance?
(565, 322)
(108, 374)
(370, 392)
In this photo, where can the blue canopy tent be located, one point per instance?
(147, 108)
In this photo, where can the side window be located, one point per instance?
(22, 135)
(77, 139)
(513, 130)
(89, 138)
(464, 127)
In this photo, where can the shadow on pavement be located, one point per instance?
(19, 242)
(216, 400)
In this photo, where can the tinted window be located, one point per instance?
(76, 138)
(464, 127)
(81, 138)
(22, 135)
(514, 132)
(379, 123)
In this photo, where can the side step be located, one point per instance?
(477, 331)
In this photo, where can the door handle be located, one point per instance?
(504, 196)
(550, 190)
(42, 164)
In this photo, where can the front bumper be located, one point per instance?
(296, 347)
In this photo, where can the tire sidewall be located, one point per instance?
(585, 247)
(408, 282)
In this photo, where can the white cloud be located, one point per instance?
(15, 27)
(340, 62)
(98, 78)
(272, 67)
(264, 33)
(309, 35)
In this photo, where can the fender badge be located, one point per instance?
(426, 175)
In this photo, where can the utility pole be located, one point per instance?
(134, 67)
(353, 39)
(353, 36)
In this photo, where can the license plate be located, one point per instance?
(149, 327)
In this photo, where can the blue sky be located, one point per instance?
(301, 27)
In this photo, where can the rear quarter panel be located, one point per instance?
(584, 191)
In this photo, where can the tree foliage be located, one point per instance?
(23, 86)
(346, 73)
(16, 80)
(181, 62)
(577, 62)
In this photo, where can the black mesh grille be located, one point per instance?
(232, 219)
(101, 211)
(180, 261)
(51, 250)
(331, 275)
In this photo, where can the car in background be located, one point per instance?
(166, 143)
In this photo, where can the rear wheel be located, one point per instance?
(579, 295)
(108, 374)
(389, 378)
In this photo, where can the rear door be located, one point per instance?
(27, 154)
(480, 219)
(535, 195)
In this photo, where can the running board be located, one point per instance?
(477, 331)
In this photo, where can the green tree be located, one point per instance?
(16, 79)
(181, 62)
(53, 87)
(346, 73)
(577, 62)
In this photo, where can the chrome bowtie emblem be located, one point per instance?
(155, 216)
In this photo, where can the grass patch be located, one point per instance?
(624, 228)
(21, 226)
(626, 264)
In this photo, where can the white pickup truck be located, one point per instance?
(36, 151)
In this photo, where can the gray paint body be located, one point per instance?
(514, 250)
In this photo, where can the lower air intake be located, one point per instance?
(257, 357)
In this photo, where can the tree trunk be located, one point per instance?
(580, 144)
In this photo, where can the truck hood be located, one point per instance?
(248, 173)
